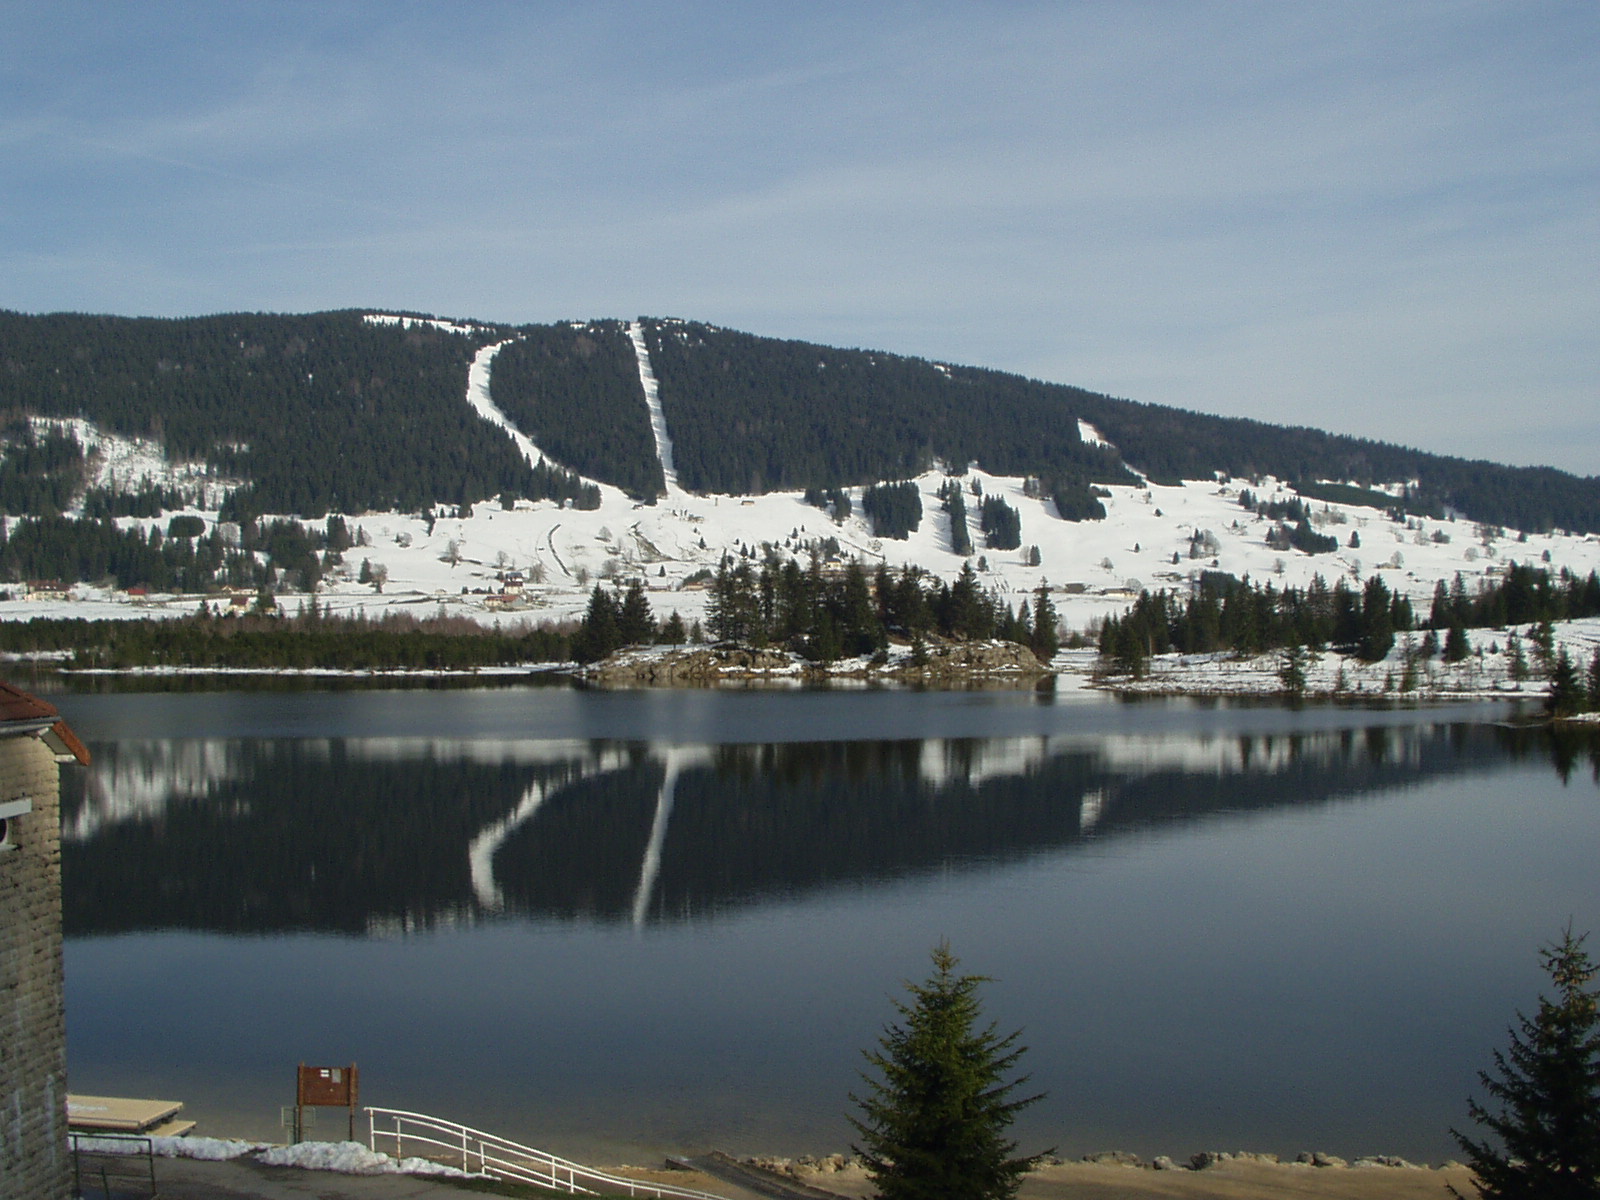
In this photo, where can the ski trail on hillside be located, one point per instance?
(652, 399)
(1089, 435)
(478, 397)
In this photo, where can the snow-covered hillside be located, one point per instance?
(1092, 567)
(1153, 537)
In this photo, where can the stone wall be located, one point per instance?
(34, 1160)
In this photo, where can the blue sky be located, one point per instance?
(1375, 218)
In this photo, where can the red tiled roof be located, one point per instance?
(63, 741)
(17, 705)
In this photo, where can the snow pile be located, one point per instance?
(344, 1158)
(205, 1148)
(352, 1158)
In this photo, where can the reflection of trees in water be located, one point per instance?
(1566, 744)
(298, 835)
(293, 837)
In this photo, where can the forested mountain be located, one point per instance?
(756, 414)
(319, 412)
(335, 412)
(575, 391)
(753, 414)
(1170, 444)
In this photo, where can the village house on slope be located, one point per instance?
(34, 1158)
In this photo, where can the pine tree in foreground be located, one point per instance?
(1547, 1087)
(933, 1126)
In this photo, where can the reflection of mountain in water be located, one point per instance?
(373, 836)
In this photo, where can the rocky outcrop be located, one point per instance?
(697, 666)
(1114, 1158)
(1213, 1158)
(940, 664)
(1316, 1158)
(949, 661)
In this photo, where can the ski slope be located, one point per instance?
(1092, 568)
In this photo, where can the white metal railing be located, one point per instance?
(486, 1154)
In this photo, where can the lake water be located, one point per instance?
(624, 924)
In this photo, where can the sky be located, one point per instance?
(1374, 218)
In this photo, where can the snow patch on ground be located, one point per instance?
(345, 1158)
(409, 322)
(122, 464)
(1092, 568)
(352, 1158)
(207, 1148)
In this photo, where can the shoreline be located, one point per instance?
(1230, 1178)
(1112, 1175)
(1324, 676)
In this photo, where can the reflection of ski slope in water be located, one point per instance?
(130, 781)
(481, 851)
(1109, 782)
(483, 848)
(676, 760)
(972, 762)
(1090, 808)
(1232, 754)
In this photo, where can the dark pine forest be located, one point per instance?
(329, 412)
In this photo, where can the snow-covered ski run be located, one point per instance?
(652, 399)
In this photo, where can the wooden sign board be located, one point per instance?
(328, 1087)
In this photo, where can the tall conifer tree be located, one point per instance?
(933, 1124)
(1547, 1088)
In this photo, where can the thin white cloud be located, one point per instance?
(1368, 216)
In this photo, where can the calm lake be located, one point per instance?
(619, 925)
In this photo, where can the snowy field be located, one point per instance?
(1093, 568)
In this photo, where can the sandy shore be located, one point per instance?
(1233, 1180)
(244, 1178)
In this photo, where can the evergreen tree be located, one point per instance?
(1377, 621)
(1518, 662)
(1001, 524)
(970, 615)
(1547, 1087)
(933, 1125)
(895, 509)
(1567, 693)
(1292, 671)
(1046, 638)
(598, 635)
(672, 632)
(636, 624)
(1543, 637)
